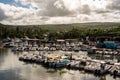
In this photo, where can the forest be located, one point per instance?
(61, 31)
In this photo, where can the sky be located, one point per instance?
(35, 12)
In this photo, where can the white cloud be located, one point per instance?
(60, 11)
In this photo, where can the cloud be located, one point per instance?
(17, 15)
(55, 8)
(2, 15)
(114, 5)
(60, 11)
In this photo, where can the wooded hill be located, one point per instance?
(75, 30)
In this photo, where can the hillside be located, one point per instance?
(67, 27)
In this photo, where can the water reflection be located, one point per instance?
(12, 69)
(10, 75)
(3, 53)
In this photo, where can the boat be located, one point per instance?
(76, 49)
(115, 70)
(83, 48)
(61, 63)
(95, 66)
(18, 48)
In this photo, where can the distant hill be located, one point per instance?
(99, 23)
(66, 27)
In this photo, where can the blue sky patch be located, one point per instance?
(17, 4)
(7, 1)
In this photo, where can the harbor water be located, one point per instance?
(13, 69)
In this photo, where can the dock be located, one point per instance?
(57, 61)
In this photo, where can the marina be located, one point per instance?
(15, 69)
(56, 61)
(59, 39)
